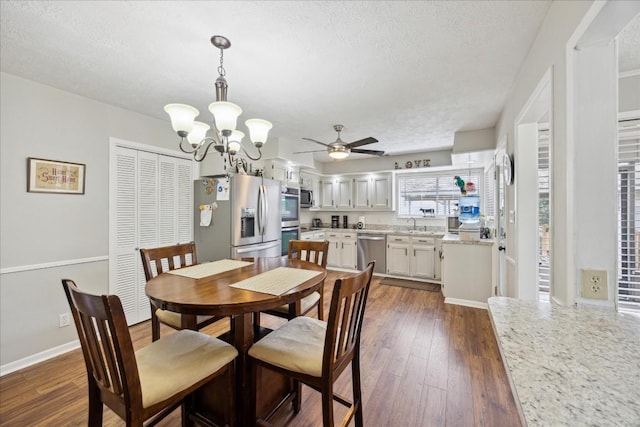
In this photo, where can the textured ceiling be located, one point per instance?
(407, 73)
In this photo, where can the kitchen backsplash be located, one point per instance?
(374, 220)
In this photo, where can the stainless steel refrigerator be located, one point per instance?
(245, 225)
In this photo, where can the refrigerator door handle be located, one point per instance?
(260, 209)
(253, 248)
(266, 207)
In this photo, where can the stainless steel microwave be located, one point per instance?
(306, 198)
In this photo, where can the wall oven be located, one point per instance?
(290, 207)
(289, 233)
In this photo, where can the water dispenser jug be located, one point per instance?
(469, 206)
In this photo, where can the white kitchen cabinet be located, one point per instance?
(467, 271)
(279, 170)
(343, 249)
(372, 191)
(326, 194)
(381, 191)
(336, 193)
(437, 260)
(312, 235)
(398, 259)
(422, 257)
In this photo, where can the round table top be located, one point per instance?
(212, 295)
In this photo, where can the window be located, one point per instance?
(434, 193)
(628, 218)
(544, 254)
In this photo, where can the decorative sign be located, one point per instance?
(52, 176)
(424, 163)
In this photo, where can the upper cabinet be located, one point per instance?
(279, 170)
(355, 192)
(373, 191)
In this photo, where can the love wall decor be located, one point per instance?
(53, 176)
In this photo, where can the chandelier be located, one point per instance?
(225, 139)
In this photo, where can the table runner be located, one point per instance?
(276, 281)
(199, 271)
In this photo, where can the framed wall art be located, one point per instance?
(53, 176)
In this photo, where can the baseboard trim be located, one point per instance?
(466, 303)
(38, 357)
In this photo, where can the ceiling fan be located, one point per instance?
(340, 149)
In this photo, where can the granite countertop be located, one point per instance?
(569, 366)
(454, 238)
(377, 231)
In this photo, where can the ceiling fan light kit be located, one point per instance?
(340, 150)
(226, 138)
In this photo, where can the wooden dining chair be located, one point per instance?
(315, 353)
(311, 251)
(155, 380)
(167, 258)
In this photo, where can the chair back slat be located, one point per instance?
(164, 258)
(309, 250)
(106, 343)
(345, 319)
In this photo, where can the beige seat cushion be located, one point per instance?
(177, 361)
(297, 346)
(306, 303)
(175, 319)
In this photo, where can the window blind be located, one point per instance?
(436, 192)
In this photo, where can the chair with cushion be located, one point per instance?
(166, 258)
(152, 382)
(315, 252)
(315, 353)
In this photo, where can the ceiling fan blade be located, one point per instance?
(373, 152)
(360, 142)
(317, 142)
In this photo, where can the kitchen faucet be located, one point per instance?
(414, 222)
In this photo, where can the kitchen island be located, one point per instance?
(569, 366)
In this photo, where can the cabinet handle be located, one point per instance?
(406, 252)
(414, 253)
(342, 245)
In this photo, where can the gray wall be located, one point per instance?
(41, 121)
(629, 93)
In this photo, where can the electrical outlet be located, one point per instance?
(595, 284)
(64, 320)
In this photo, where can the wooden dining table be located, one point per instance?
(214, 295)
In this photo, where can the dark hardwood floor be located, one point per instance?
(424, 363)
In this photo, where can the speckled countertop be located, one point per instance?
(454, 238)
(569, 366)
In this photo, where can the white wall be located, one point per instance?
(549, 51)
(40, 121)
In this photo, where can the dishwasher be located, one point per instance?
(372, 246)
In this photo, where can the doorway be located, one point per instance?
(533, 269)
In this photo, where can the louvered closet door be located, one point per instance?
(148, 224)
(152, 205)
(123, 262)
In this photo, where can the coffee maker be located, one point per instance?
(335, 221)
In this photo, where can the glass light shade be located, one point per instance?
(258, 130)
(198, 133)
(182, 116)
(225, 114)
(338, 154)
(233, 147)
(236, 136)
(234, 141)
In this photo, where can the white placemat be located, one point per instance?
(199, 271)
(277, 281)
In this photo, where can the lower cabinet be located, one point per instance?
(398, 248)
(467, 271)
(343, 251)
(413, 256)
